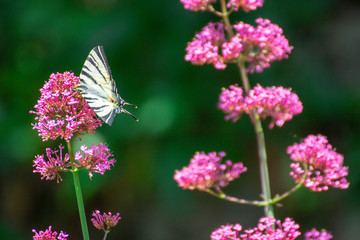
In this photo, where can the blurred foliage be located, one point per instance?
(144, 42)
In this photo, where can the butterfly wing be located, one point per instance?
(97, 85)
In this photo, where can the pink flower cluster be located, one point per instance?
(48, 234)
(55, 164)
(205, 46)
(276, 102)
(95, 159)
(197, 5)
(205, 171)
(246, 5)
(261, 45)
(202, 5)
(105, 221)
(62, 112)
(288, 230)
(324, 165)
(316, 235)
(258, 46)
(231, 102)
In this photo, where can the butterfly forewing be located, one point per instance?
(96, 71)
(98, 87)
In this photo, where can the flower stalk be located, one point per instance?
(260, 138)
(276, 199)
(78, 193)
(105, 235)
(316, 165)
(264, 170)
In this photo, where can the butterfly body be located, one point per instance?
(98, 87)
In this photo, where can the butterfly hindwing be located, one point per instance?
(102, 108)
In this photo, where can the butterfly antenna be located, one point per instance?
(126, 103)
(127, 112)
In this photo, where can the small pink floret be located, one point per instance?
(246, 5)
(51, 168)
(48, 234)
(276, 102)
(231, 102)
(231, 50)
(202, 5)
(288, 230)
(314, 234)
(324, 165)
(204, 49)
(96, 159)
(264, 44)
(197, 5)
(105, 221)
(206, 171)
(258, 46)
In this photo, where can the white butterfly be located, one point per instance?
(98, 88)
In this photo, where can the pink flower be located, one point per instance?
(231, 50)
(323, 164)
(227, 232)
(202, 5)
(257, 46)
(55, 164)
(231, 102)
(262, 45)
(205, 46)
(49, 235)
(276, 102)
(105, 221)
(62, 112)
(95, 159)
(246, 5)
(316, 235)
(288, 230)
(196, 5)
(205, 171)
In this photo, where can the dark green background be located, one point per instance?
(144, 42)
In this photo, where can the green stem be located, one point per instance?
(260, 138)
(286, 194)
(295, 188)
(225, 16)
(105, 236)
(79, 198)
(222, 195)
(276, 199)
(212, 10)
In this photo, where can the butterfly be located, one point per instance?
(98, 87)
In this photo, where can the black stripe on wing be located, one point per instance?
(109, 118)
(99, 50)
(92, 98)
(91, 60)
(104, 110)
(87, 75)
